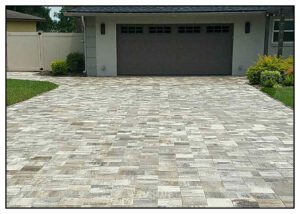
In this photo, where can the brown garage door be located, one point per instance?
(189, 49)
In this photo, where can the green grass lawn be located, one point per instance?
(284, 94)
(20, 90)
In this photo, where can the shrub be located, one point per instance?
(253, 76)
(290, 70)
(288, 80)
(270, 78)
(269, 63)
(75, 62)
(274, 63)
(290, 61)
(59, 67)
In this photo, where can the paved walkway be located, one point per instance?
(148, 142)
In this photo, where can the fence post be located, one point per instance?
(41, 50)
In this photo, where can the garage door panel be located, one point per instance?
(174, 50)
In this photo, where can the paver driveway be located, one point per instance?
(161, 141)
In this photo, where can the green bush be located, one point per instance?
(288, 80)
(253, 76)
(270, 78)
(75, 62)
(59, 67)
(268, 63)
(290, 61)
(273, 63)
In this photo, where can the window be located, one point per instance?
(189, 29)
(131, 29)
(160, 29)
(288, 35)
(217, 29)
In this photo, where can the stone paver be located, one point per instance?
(148, 142)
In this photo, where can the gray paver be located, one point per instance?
(148, 142)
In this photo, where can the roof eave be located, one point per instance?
(155, 13)
(26, 20)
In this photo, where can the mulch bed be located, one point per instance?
(48, 73)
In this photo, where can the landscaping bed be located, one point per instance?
(275, 77)
(67, 74)
(20, 90)
(72, 66)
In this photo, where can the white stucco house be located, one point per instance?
(181, 40)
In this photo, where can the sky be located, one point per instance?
(52, 11)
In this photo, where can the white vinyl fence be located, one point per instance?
(33, 51)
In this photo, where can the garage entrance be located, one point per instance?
(177, 50)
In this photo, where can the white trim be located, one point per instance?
(273, 31)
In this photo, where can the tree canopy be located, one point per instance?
(66, 23)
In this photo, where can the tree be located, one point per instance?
(40, 11)
(67, 23)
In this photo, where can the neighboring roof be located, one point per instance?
(14, 15)
(173, 9)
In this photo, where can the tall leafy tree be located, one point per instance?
(67, 23)
(39, 11)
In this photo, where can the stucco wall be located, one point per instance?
(90, 40)
(28, 26)
(246, 47)
(288, 48)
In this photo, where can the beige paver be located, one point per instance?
(148, 142)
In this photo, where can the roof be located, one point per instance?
(14, 15)
(173, 9)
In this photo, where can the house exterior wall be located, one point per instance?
(20, 26)
(246, 47)
(90, 46)
(288, 48)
